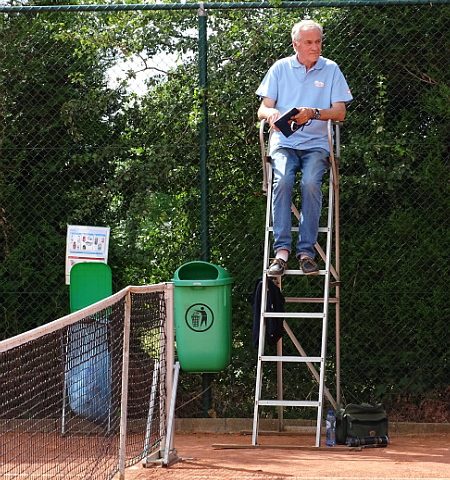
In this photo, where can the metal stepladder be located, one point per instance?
(329, 276)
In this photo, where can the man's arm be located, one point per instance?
(267, 111)
(336, 113)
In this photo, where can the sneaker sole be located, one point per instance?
(275, 274)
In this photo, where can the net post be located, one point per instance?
(170, 342)
(124, 396)
(170, 354)
(168, 440)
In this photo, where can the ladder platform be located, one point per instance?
(290, 358)
(289, 403)
(292, 315)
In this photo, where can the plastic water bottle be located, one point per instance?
(331, 428)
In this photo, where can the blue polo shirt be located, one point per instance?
(290, 85)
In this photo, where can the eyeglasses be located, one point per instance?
(299, 126)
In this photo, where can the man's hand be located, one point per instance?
(304, 114)
(272, 118)
(268, 111)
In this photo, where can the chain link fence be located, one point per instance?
(100, 114)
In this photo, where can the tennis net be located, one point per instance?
(86, 395)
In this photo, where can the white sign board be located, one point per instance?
(85, 244)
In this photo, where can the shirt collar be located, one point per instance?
(296, 64)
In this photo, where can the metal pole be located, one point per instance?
(124, 400)
(151, 409)
(170, 362)
(171, 419)
(120, 7)
(203, 86)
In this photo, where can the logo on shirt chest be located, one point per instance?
(319, 84)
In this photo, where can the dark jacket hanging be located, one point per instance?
(275, 303)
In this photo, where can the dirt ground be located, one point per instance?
(219, 457)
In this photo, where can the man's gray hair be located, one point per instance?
(304, 25)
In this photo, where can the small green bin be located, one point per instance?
(202, 311)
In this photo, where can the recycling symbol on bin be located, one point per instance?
(199, 317)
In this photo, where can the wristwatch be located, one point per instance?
(316, 114)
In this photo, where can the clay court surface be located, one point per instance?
(217, 457)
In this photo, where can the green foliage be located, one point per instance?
(75, 149)
(53, 80)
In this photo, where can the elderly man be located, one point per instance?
(316, 87)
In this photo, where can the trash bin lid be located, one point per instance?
(201, 274)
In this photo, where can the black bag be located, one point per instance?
(360, 422)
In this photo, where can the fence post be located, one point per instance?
(203, 85)
(124, 396)
(203, 88)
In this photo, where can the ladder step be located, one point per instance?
(293, 315)
(288, 358)
(300, 272)
(308, 300)
(295, 229)
(289, 403)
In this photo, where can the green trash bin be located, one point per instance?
(202, 311)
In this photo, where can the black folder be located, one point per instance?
(284, 123)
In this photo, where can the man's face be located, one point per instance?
(308, 46)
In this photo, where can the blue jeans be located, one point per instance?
(286, 162)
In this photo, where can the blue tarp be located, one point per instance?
(88, 371)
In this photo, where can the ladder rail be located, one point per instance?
(262, 323)
(335, 158)
(280, 384)
(335, 154)
(264, 156)
(325, 305)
